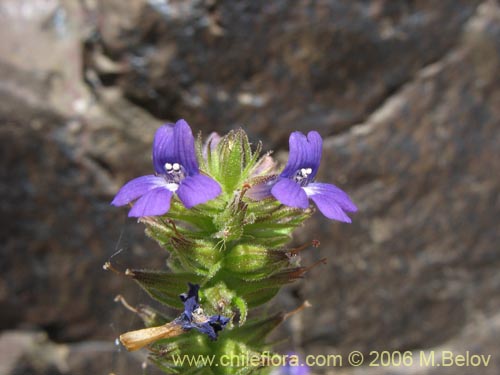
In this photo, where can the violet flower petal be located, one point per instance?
(219, 319)
(264, 166)
(296, 156)
(163, 148)
(190, 300)
(197, 189)
(305, 152)
(207, 329)
(184, 148)
(211, 326)
(155, 202)
(136, 188)
(260, 191)
(192, 293)
(175, 144)
(290, 193)
(333, 192)
(330, 207)
(313, 159)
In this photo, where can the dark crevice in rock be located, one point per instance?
(102, 164)
(56, 332)
(392, 91)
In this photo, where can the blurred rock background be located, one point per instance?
(406, 94)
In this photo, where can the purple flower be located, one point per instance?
(293, 366)
(176, 167)
(194, 317)
(295, 185)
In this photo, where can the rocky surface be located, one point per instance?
(31, 352)
(406, 93)
(479, 337)
(312, 65)
(420, 257)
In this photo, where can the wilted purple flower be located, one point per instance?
(295, 184)
(210, 144)
(176, 167)
(293, 366)
(194, 317)
(292, 370)
(264, 166)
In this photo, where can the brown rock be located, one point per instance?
(474, 350)
(276, 67)
(57, 179)
(31, 352)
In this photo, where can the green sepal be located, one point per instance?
(232, 157)
(197, 256)
(192, 344)
(255, 293)
(233, 161)
(198, 346)
(251, 262)
(181, 222)
(256, 330)
(230, 222)
(164, 286)
(257, 298)
(152, 317)
(225, 289)
(273, 224)
(218, 298)
(242, 307)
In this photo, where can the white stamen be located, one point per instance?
(198, 311)
(172, 187)
(302, 176)
(168, 166)
(176, 166)
(199, 316)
